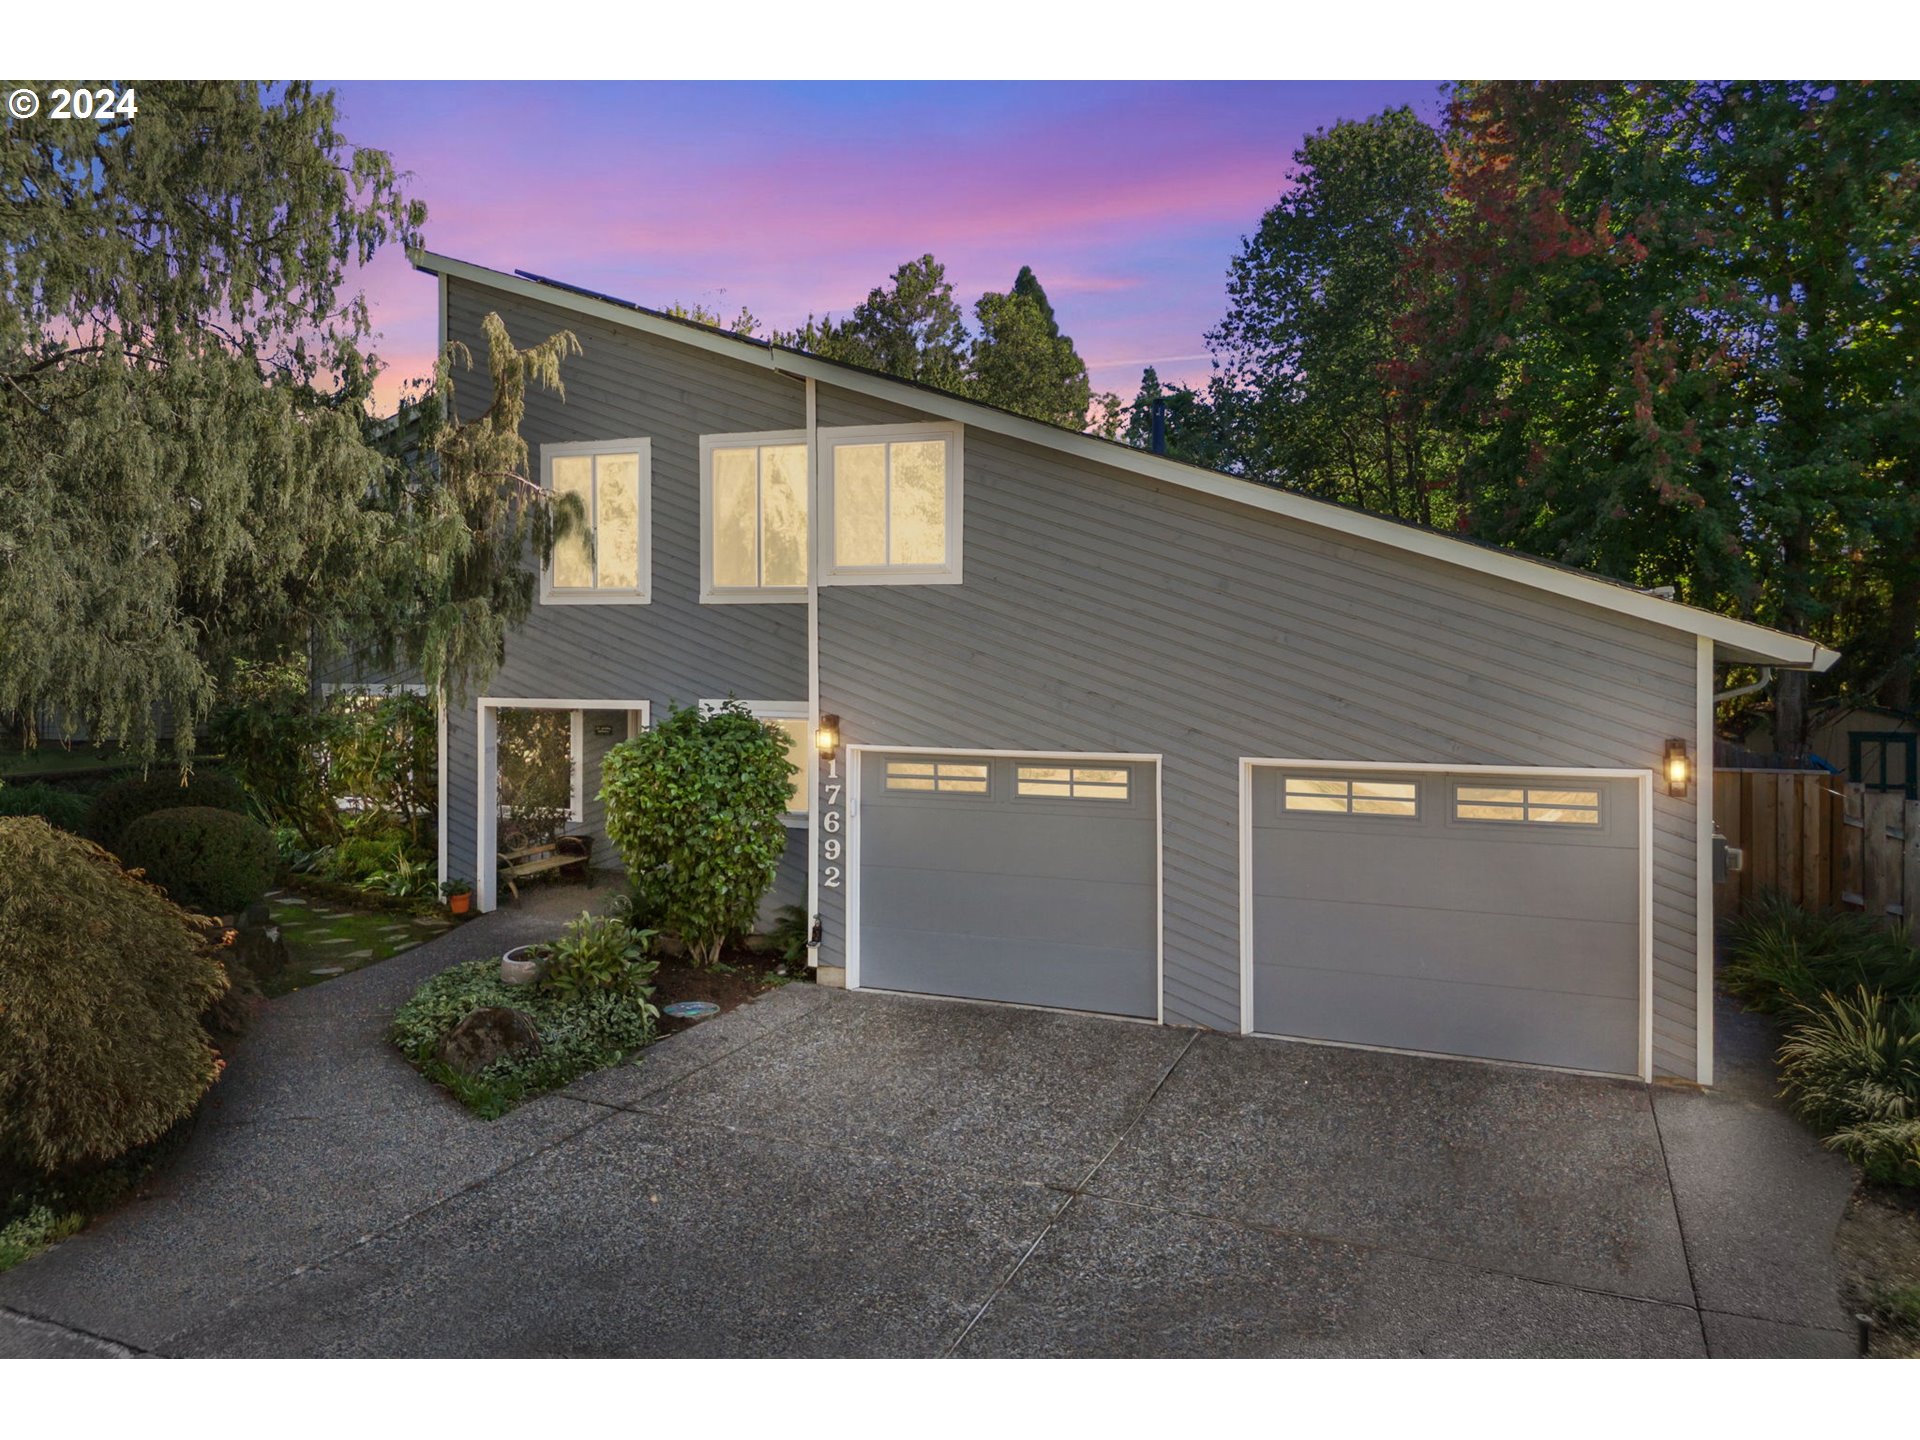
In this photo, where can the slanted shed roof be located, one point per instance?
(1738, 641)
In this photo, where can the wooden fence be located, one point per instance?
(1820, 841)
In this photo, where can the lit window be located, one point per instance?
(1346, 796)
(790, 718)
(1526, 804)
(893, 494)
(938, 776)
(754, 517)
(1072, 782)
(602, 495)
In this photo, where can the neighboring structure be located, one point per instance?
(1869, 744)
(1117, 734)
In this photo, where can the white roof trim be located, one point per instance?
(1738, 641)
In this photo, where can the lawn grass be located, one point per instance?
(326, 938)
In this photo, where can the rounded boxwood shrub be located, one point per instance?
(125, 801)
(211, 861)
(102, 982)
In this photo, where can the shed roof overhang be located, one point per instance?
(1735, 641)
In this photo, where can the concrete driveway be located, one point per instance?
(823, 1173)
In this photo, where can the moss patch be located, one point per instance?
(325, 938)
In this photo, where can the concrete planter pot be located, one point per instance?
(521, 965)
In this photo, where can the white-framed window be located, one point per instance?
(1527, 804)
(891, 496)
(753, 517)
(939, 777)
(611, 561)
(790, 717)
(1344, 795)
(1074, 782)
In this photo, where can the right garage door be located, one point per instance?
(1495, 916)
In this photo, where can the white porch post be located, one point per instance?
(486, 822)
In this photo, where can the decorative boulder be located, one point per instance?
(258, 943)
(489, 1035)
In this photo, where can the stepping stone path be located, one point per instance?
(325, 938)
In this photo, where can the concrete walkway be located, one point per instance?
(824, 1173)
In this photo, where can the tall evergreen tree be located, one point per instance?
(184, 370)
(1192, 424)
(1021, 362)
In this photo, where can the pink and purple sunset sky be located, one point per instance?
(1128, 200)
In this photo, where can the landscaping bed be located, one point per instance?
(1846, 996)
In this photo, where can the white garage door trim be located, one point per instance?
(852, 921)
(1645, 798)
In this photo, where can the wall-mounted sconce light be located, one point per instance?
(827, 738)
(1679, 769)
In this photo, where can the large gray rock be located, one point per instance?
(258, 943)
(488, 1035)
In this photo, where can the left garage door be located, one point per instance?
(1030, 880)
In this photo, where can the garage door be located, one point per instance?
(1026, 880)
(1464, 914)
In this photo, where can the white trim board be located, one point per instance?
(486, 820)
(1741, 640)
(1703, 917)
(1644, 800)
(1131, 757)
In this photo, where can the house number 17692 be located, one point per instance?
(830, 825)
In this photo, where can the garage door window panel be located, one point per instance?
(937, 777)
(1073, 782)
(1343, 795)
(1526, 805)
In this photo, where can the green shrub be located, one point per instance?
(211, 861)
(39, 1227)
(598, 953)
(1851, 1069)
(577, 1036)
(1782, 957)
(125, 801)
(58, 807)
(694, 806)
(790, 934)
(102, 983)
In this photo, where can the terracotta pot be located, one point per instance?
(458, 903)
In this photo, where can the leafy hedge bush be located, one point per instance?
(208, 860)
(58, 807)
(102, 983)
(125, 801)
(578, 1036)
(694, 806)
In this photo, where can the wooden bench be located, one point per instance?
(560, 853)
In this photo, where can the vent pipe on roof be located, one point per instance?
(1159, 426)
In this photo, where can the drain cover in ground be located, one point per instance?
(691, 1009)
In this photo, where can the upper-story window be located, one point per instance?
(892, 497)
(753, 517)
(609, 561)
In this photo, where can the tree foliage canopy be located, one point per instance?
(184, 367)
(913, 327)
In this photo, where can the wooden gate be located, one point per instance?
(1818, 840)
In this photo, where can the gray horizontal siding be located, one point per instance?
(1104, 611)
(673, 650)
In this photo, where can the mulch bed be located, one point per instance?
(746, 976)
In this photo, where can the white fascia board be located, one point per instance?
(1738, 641)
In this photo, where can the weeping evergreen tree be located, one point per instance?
(476, 520)
(184, 369)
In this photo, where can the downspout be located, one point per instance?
(1766, 679)
(813, 671)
